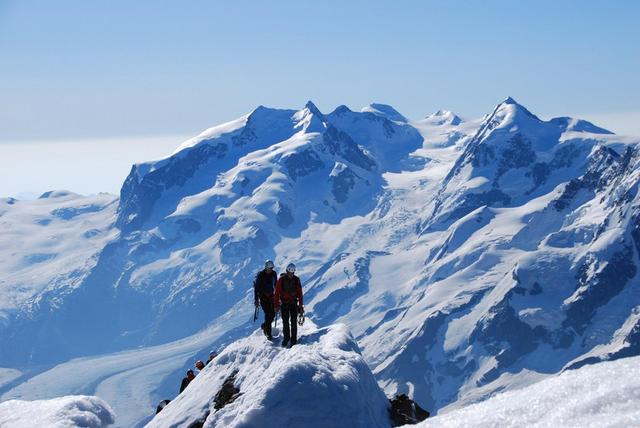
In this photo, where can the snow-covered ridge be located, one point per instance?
(442, 117)
(63, 412)
(602, 395)
(321, 382)
(385, 111)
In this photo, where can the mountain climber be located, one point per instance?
(186, 380)
(212, 355)
(162, 405)
(263, 295)
(199, 366)
(288, 299)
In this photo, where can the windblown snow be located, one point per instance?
(466, 257)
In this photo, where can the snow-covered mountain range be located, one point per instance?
(465, 256)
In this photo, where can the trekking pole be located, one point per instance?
(275, 319)
(255, 314)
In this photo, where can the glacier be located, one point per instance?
(465, 256)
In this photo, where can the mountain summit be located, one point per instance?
(442, 117)
(386, 111)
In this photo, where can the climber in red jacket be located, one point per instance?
(288, 299)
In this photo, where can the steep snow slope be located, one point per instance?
(49, 245)
(602, 395)
(465, 256)
(63, 412)
(322, 382)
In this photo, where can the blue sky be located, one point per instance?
(89, 72)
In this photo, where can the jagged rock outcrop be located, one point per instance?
(405, 411)
(228, 392)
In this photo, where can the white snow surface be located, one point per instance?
(63, 412)
(606, 394)
(321, 382)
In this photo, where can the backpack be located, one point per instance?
(289, 288)
(264, 283)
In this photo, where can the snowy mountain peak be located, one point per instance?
(262, 116)
(340, 110)
(511, 118)
(386, 111)
(442, 117)
(312, 108)
(510, 121)
(513, 156)
(509, 101)
(310, 118)
(511, 112)
(59, 194)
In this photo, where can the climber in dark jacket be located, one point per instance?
(162, 405)
(263, 295)
(186, 380)
(288, 297)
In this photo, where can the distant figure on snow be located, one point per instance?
(186, 380)
(263, 295)
(162, 405)
(212, 355)
(288, 299)
(199, 366)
